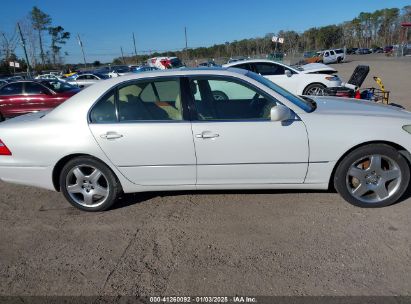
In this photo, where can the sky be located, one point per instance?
(106, 26)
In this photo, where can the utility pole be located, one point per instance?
(23, 43)
(135, 50)
(122, 55)
(185, 34)
(82, 50)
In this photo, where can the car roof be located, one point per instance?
(233, 64)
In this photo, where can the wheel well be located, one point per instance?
(321, 84)
(399, 148)
(62, 162)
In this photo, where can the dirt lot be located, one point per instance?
(210, 243)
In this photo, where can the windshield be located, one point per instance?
(58, 86)
(307, 105)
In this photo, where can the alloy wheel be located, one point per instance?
(87, 186)
(373, 178)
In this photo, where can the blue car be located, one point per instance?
(144, 68)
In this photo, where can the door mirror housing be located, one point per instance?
(280, 113)
(288, 73)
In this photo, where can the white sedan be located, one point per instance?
(309, 79)
(165, 130)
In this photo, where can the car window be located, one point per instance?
(332, 53)
(226, 99)
(269, 69)
(81, 77)
(12, 89)
(244, 66)
(33, 88)
(150, 100)
(58, 86)
(105, 110)
(93, 77)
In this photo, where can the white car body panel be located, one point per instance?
(247, 155)
(299, 80)
(278, 154)
(167, 157)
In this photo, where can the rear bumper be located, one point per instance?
(29, 176)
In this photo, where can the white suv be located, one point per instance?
(333, 56)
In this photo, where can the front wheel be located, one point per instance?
(316, 89)
(372, 176)
(89, 184)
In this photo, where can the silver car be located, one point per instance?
(85, 80)
(167, 130)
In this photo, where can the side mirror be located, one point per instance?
(288, 73)
(280, 113)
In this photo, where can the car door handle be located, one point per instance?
(111, 135)
(207, 134)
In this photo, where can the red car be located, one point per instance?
(22, 97)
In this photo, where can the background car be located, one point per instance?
(363, 51)
(22, 97)
(144, 68)
(164, 63)
(86, 80)
(116, 71)
(309, 79)
(333, 56)
(388, 48)
(117, 138)
(3, 82)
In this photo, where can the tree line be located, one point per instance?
(43, 42)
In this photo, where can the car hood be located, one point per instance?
(316, 67)
(350, 106)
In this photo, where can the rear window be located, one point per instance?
(339, 51)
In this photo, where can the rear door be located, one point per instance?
(143, 128)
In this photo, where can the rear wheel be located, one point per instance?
(316, 89)
(372, 176)
(88, 184)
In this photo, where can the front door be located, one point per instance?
(235, 140)
(141, 128)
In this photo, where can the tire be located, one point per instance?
(372, 176)
(1, 118)
(339, 59)
(316, 89)
(89, 184)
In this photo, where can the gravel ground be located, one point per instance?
(210, 243)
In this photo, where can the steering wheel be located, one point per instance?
(219, 95)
